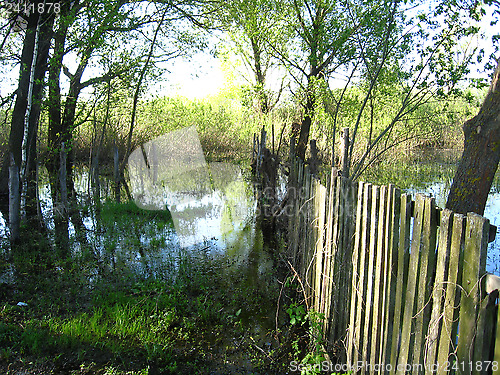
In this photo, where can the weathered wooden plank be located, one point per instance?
(351, 345)
(328, 261)
(292, 196)
(337, 248)
(442, 263)
(402, 275)
(299, 191)
(298, 214)
(301, 217)
(484, 338)
(361, 317)
(449, 319)
(386, 269)
(476, 242)
(407, 327)
(345, 271)
(378, 286)
(320, 204)
(371, 254)
(349, 241)
(390, 280)
(425, 280)
(306, 248)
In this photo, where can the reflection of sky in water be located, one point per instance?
(439, 190)
(206, 204)
(3, 228)
(212, 216)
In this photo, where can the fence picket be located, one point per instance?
(485, 325)
(345, 261)
(443, 260)
(372, 252)
(476, 241)
(319, 214)
(337, 254)
(390, 281)
(402, 275)
(379, 271)
(355, 274)
(407, 337)
(449, 320)
(359, 337)
(328, 259)
(425, 280)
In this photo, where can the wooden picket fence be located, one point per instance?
(400, 282)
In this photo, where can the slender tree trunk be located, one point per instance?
(54, 136)
(477, 168)
(18, 125)
(30, 173)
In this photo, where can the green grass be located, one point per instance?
(196, 316)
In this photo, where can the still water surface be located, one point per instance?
(222, 219)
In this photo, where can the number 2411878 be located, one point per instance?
(471, 366)
(29, 7)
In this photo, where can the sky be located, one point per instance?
(196, 78)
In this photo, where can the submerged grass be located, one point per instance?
(91, 314)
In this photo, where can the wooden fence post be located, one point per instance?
(362, 301)
(401, 275)
(356, 292)
(372, 254)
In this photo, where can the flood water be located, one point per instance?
(219, 218)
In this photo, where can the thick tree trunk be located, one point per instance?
(480, 157)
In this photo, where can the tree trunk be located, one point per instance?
(30, 172)
(480, 157)
(305, 127)
(260, 77)
(54, 99)
(18, 125)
